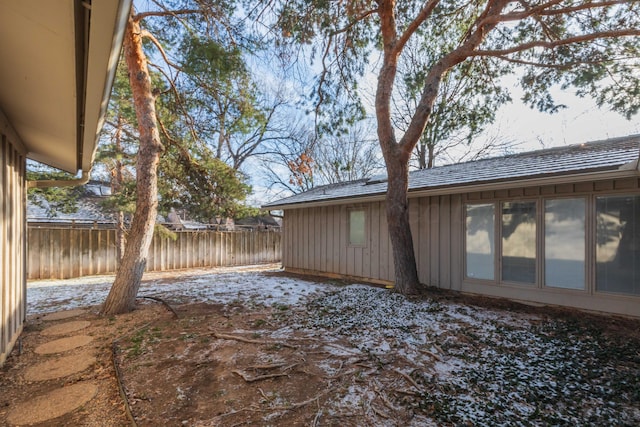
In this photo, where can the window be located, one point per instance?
(564, 243)
(519, 242)
(618, 244)
(480, 241)
(357, 223)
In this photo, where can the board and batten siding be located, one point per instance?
(12, 235)
(316, 241)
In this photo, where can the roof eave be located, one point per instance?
(469, 188)
(106, 31)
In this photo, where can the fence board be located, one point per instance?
(62, 253)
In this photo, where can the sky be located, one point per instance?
(582, 121)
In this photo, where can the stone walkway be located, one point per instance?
(67, 398)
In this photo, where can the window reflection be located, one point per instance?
(618, 244)
(564, 243)
(519, 242)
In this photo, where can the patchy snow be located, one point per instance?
(472, 365)
(222, 285)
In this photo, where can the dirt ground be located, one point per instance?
(225, 365)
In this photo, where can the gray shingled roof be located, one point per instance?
(570, 160)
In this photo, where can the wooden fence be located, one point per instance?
(62, 253)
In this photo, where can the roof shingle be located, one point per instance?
(596, 156)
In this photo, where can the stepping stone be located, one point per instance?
(66, 314)
(52, 405)
(63, 344)
(65, 328)
(59, 367)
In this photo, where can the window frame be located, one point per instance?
(594, 242)
(587, 243)
(365, 225)
(495, 279)
(537, 250)
(589, 197)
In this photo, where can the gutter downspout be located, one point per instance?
(47, 183)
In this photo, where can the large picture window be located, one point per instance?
(357, 222)
(618, 244)
(564, 243)
(519, 242)
(480, 241)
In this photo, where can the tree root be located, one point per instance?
(251, 341)
(408, 378)
(379, 412)
(377, 388)
(160, 300)
(249, 379)
(123, 394)
(274, 366)
(431, 354)
(407, 392)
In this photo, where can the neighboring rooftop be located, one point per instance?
(597, 156)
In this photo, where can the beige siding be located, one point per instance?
(12, 236)
(438, 227)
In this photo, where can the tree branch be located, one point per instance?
(413, 26)
(433, 79)
(140, 16)
(564, 66)
(355, 20)
(545, 9)
(154, 40)
(557, 43)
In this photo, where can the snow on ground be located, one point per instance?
(222, 285)
(474, 365)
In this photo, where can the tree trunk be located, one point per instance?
(121, 298)
(396, 158)
(397, 207)
(432, 157)
(116, 187)
(121, 240)
(422, 155)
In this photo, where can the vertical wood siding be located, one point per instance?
(437, 223)
(62, 253)
(317, 241)
(12, 235)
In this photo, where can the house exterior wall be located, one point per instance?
(12, 236)
(316, 241)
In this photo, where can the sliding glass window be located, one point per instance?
(618, 244)
(518, 230)
(480, 241)
(564, 243)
